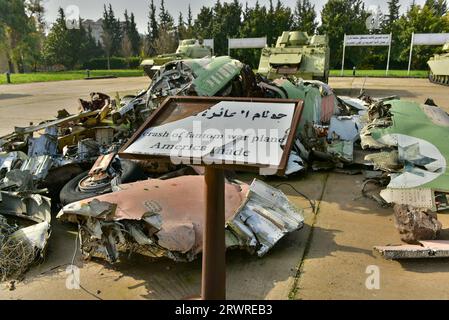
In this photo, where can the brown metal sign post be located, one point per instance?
(213, 285)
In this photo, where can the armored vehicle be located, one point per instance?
(297, 54)
(439, 67)
(188, 49)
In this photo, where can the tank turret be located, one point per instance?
(439, 67)
(297, 54)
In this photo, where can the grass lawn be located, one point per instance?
(381, 73)
(67, 75)
(81, 74)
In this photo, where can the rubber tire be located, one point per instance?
(70, 193)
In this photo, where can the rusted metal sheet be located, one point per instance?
(166, 218)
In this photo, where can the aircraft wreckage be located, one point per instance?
(70, 164)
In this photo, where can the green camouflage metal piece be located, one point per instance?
(417, 131)
(439, 67)
(188, 49)
(214, 74)
(297, 54)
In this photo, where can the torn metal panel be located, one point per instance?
(295, 164)
(358, 104)
(385, 161)
(145, 217)
(46, 144)
(420, 198)
(37, 235)
(26, 205)
(98, 102)
(104, 135)
(18, 181)
(343, 150)
(24, 232)
(415, 130)
(38, 166)
(11, 160)
(88, 148)
(425, 249)
(344, 128)
(266, 216)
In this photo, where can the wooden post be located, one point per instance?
(213, 285)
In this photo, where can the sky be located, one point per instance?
(93, 9)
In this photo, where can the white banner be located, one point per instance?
(247, 43)
(434, 39)
(367, 40)
(209, 43)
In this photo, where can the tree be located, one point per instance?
(419, 20)
(127, 49)
(225, 24)
(153, 30)
(92, 48)
(253, 25)
(166, 21)
(166, 42)
(17, 30)
(132, 35)
(189, 26)
(112, 32)
(279, 19)
(189, 18)
(65, 46)
(37, 11)
(203, 23)
(340, 17)
(393, 14)
(305, 17)
(439, 7)
(181, 28)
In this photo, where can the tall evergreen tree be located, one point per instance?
(340, 17)
(305, 17)
(166, 21)
(67, 47)
(112, 31)
(226, 24)
(203, 23)
(132, 34)
(189, 17)
(152, 24)
(439, 7)
(181, 28)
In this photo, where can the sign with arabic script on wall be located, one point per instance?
(367, 40)
(218, 131)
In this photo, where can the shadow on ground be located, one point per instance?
(6, 96)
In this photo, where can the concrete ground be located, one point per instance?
(21, 104)
(327, 259)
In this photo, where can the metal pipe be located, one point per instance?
(411, 52)
(213, 285)
(343, 57)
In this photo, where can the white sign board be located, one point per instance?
(247, 43)
(434, 39)
(367, 40)
(229, 132)
(210, 43)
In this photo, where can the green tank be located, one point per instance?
(188, 49)
(439, 67)
(297, 54)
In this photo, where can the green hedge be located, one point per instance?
(116, 63)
